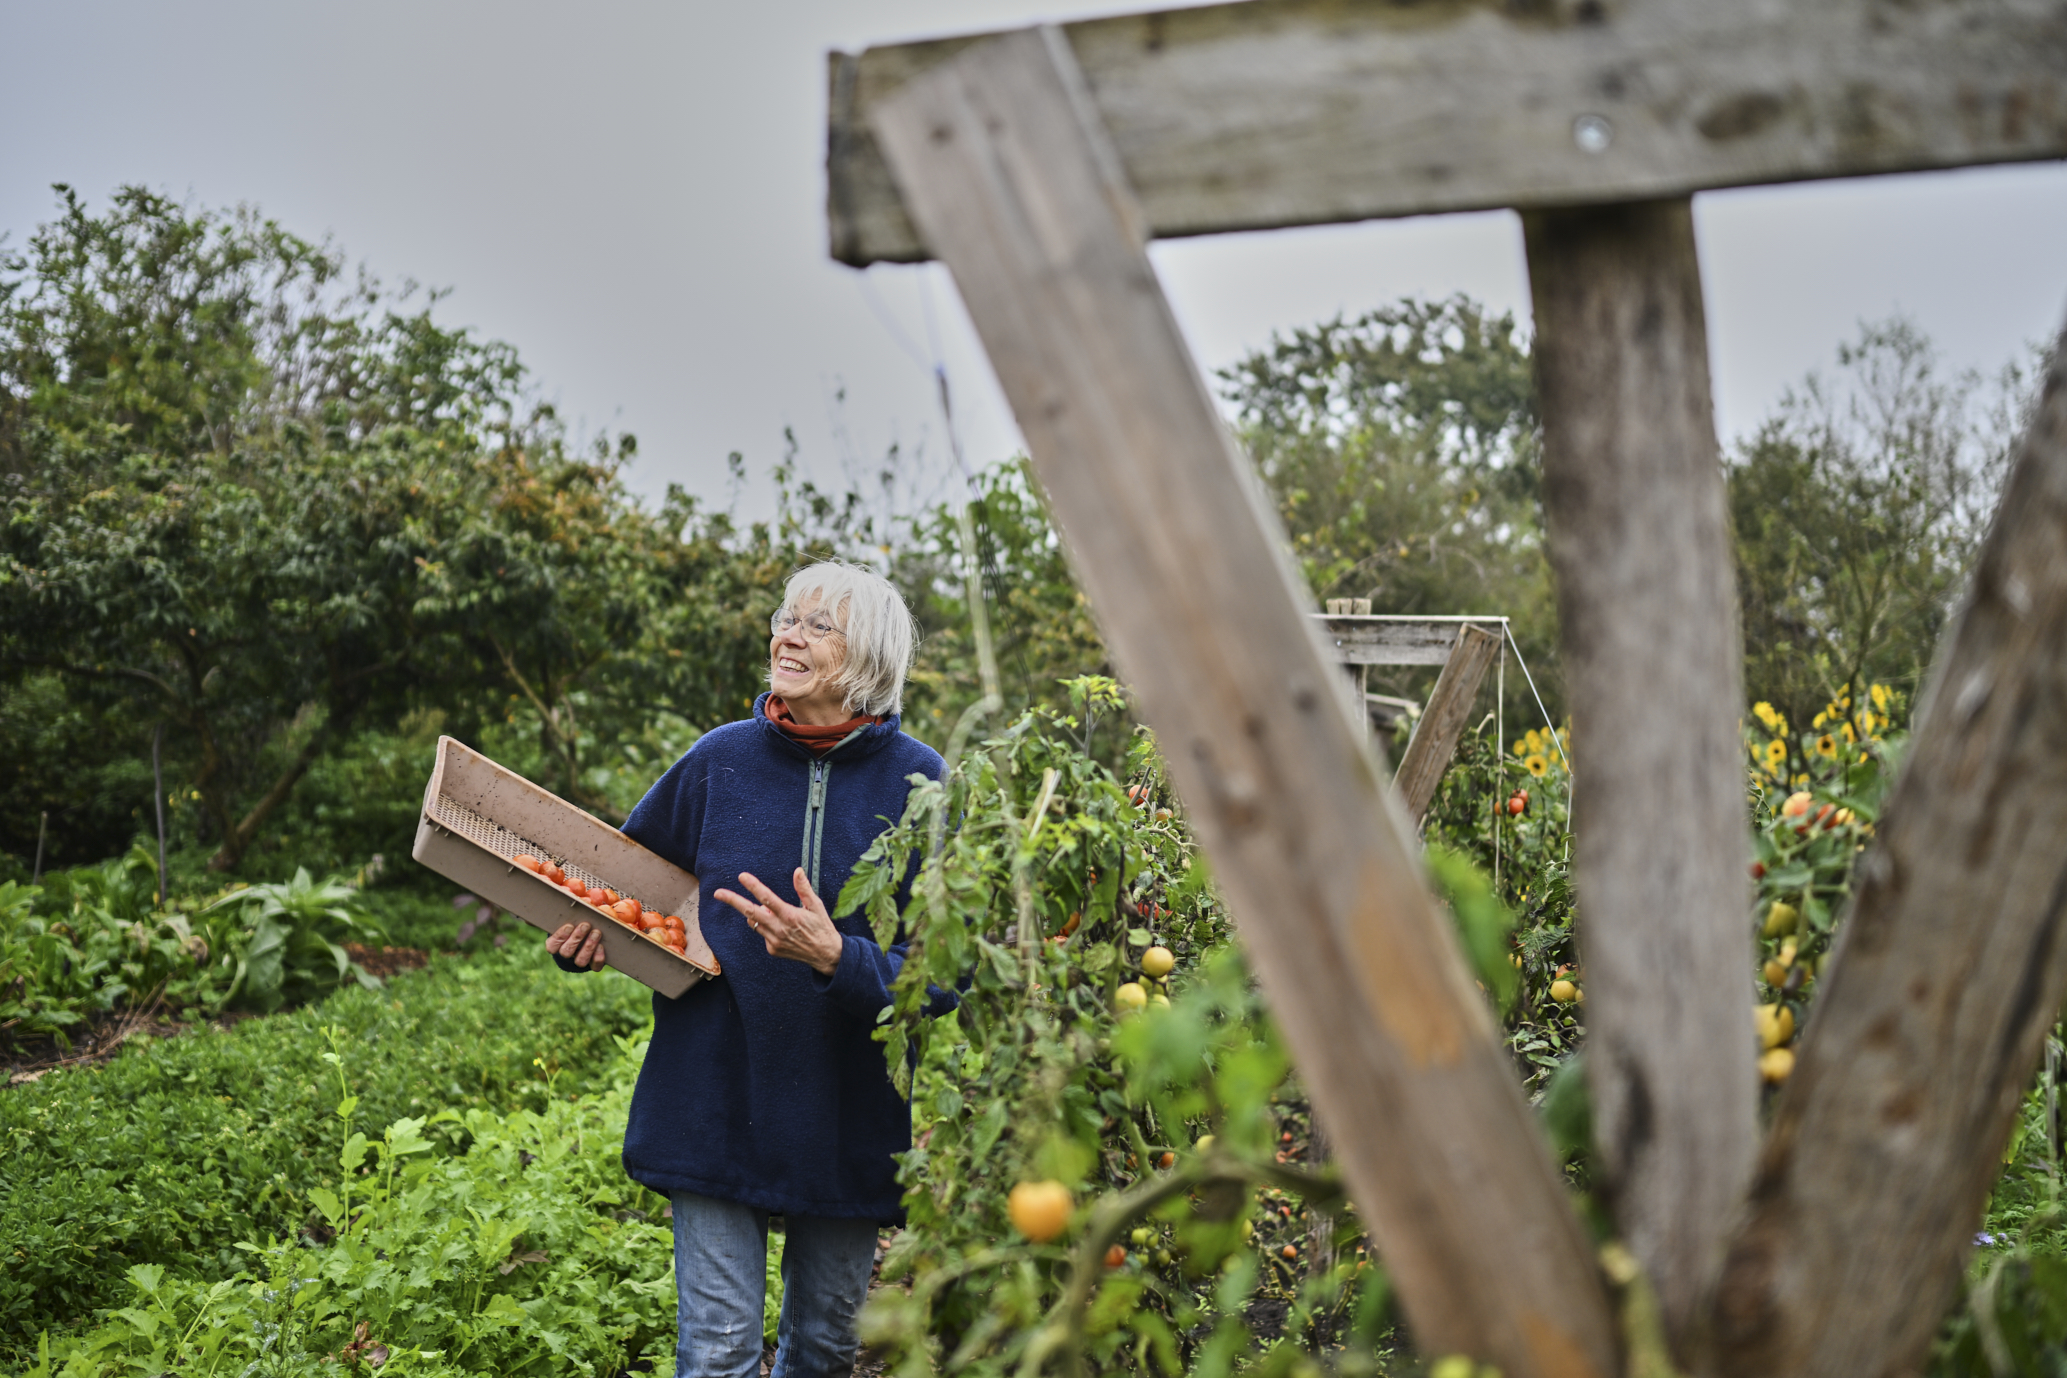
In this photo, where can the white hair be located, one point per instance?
(879, 630)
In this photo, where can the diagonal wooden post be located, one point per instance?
(1639, 541)
(1435, 737)
(1003, 166)
(1950, 969)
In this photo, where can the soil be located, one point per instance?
(386, 961)
(101, 1039)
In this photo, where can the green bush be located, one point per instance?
(175, 1153)
(530, 1253)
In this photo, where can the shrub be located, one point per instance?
(173, 1154)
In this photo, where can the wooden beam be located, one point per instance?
(1303, 112)
(1435, 737)
(1950, 969)
(1394, 640)
(1639, 542)
(1002, 160)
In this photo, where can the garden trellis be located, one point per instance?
(1037, 164)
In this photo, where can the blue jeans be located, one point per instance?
(721, 1283)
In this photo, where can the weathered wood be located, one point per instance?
(1435, 737)
(1302, 112)
(1639, 542)
(1393, 640)
(1001, 158)
(1949, 971)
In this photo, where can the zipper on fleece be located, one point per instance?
(814, 809)
(814, 819)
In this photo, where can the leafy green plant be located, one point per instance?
(177, 1151)
(1052, 892)
(528, 1253)
(92, 941)
(293, 943)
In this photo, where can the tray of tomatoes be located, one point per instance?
(551, 863)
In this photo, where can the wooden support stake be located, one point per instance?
(1008, 177)
(1639, 541)
(1949, 972)
(1435, 737)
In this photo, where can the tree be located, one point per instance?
(1401, 449)
(1857, 510)
(222, 468)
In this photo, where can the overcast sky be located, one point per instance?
(632, 195)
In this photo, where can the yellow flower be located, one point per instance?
(1535, 764)
(1776, 751)
(1826, 747)
(1770, 716)
(1851, 736)
(1879, 694)
(1801, 781)
(1819, 720)
(1521, 746)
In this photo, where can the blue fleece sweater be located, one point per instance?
(764, 1086)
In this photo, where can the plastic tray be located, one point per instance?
(477, 816)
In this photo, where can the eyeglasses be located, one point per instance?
(817, 627)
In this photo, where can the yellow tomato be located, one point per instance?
(1130, 997)
(1158, 962)
(1039, 1210)
(1776, 1064)
(1564, 992)
(1775, 1024)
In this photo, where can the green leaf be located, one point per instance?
(326, 1201)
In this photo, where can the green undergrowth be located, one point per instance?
(529, 1253)
(177, 1152)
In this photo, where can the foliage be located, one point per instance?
(1402, 450)
(1041, 624)
(1857, 509)
(295, 944)
(176, 1151)
(269, 511)
(1177, 1128)
(529, 1253)
(92, 941)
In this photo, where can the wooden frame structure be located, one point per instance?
(1037, 164)
(1464, 646)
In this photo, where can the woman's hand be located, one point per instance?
(578, 943)
(803, 933)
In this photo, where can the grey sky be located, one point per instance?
(631, 194)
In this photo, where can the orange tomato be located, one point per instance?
(554, 874)
(528, 862)
(1115, 1256)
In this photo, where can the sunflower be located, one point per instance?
(1535, 764)
(1826, 747)
(1776, 751)
(1880, 696)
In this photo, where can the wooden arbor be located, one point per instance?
(1037, 164)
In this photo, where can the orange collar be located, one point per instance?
(816, 740)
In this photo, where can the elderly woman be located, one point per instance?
(763, 1093)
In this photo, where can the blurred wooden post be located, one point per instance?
(1003, 164)
(1435, 737)
(1639, 540)
(1949, 973)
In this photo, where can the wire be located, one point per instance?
(1548, 725)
